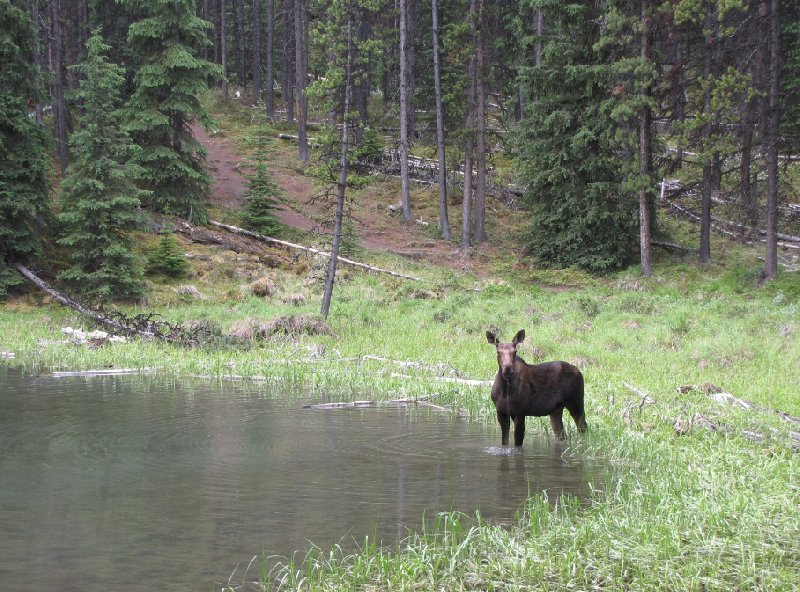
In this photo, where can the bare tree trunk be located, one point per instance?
(59, 104)
(301, 79)
(771, 140)
(270, 58)
(469, 139)
(241, 70)
(40, 50)
(444, 222)
(710, 25)
(411, 57)
(256, 60)
(480, 116)
(406, 198)
(644, 154)
(223, 50)
(469, 128)
(337, 228)
(287, 63)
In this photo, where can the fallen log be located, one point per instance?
(96, 316)
(424, 401)
(268, 239)
(104, 372)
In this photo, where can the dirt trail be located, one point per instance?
(377, 231)
(229, 187)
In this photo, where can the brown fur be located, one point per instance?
(521, 389)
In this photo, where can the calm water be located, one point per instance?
(122, 483)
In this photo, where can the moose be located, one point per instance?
(521, 389)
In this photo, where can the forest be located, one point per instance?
(580, 111)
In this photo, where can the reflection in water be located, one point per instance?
(129, 483)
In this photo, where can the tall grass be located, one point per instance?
(701, 495)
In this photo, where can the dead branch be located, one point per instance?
(672, 247)
(646, 399)
(104, 372)
(98, 317)
(424, 401)
(263, 238)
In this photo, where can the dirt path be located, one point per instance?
(229, 187)
(377, 230)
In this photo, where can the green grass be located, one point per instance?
(683, 507)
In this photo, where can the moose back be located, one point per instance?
(521, 389)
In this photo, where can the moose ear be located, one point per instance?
(491, 338)
(519, 337)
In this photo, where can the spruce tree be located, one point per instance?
(568, 157)
(169, 80)
(24, 165)
(100, 200)
(263, 194)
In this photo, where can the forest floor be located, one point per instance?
(377, 227)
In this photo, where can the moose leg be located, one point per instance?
(505, 424)
(519, 430)
(557, 424)
(580, 419)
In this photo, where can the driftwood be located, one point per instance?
(98, 317)
(263, 238)
(105, 372)
(424, 401)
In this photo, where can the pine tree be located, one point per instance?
(169, 80)
(167, 258)
(24, 166)
(567, 149)
(263, 194)
(100, 200)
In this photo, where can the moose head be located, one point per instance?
(506, 352)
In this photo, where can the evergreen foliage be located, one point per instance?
(167, 258)
(263, 194)
(790, 107)
(24, 166)
(100, 200)
(568, 150)
(169, 80)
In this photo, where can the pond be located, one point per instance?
(131, 483)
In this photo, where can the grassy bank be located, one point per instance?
(701, 494)
(693, 501)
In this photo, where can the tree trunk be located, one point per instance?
(406, 198)
(223, 51)
(256, 60)
(411, 57)
(469, 128)
(287, 60)
(645, 172)
(480, 117)
(710, 27)
(771, 140)
(301, 78)
(444, 222)
(342, 184)
(59, 104)
(270, 60)
(241, 70)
